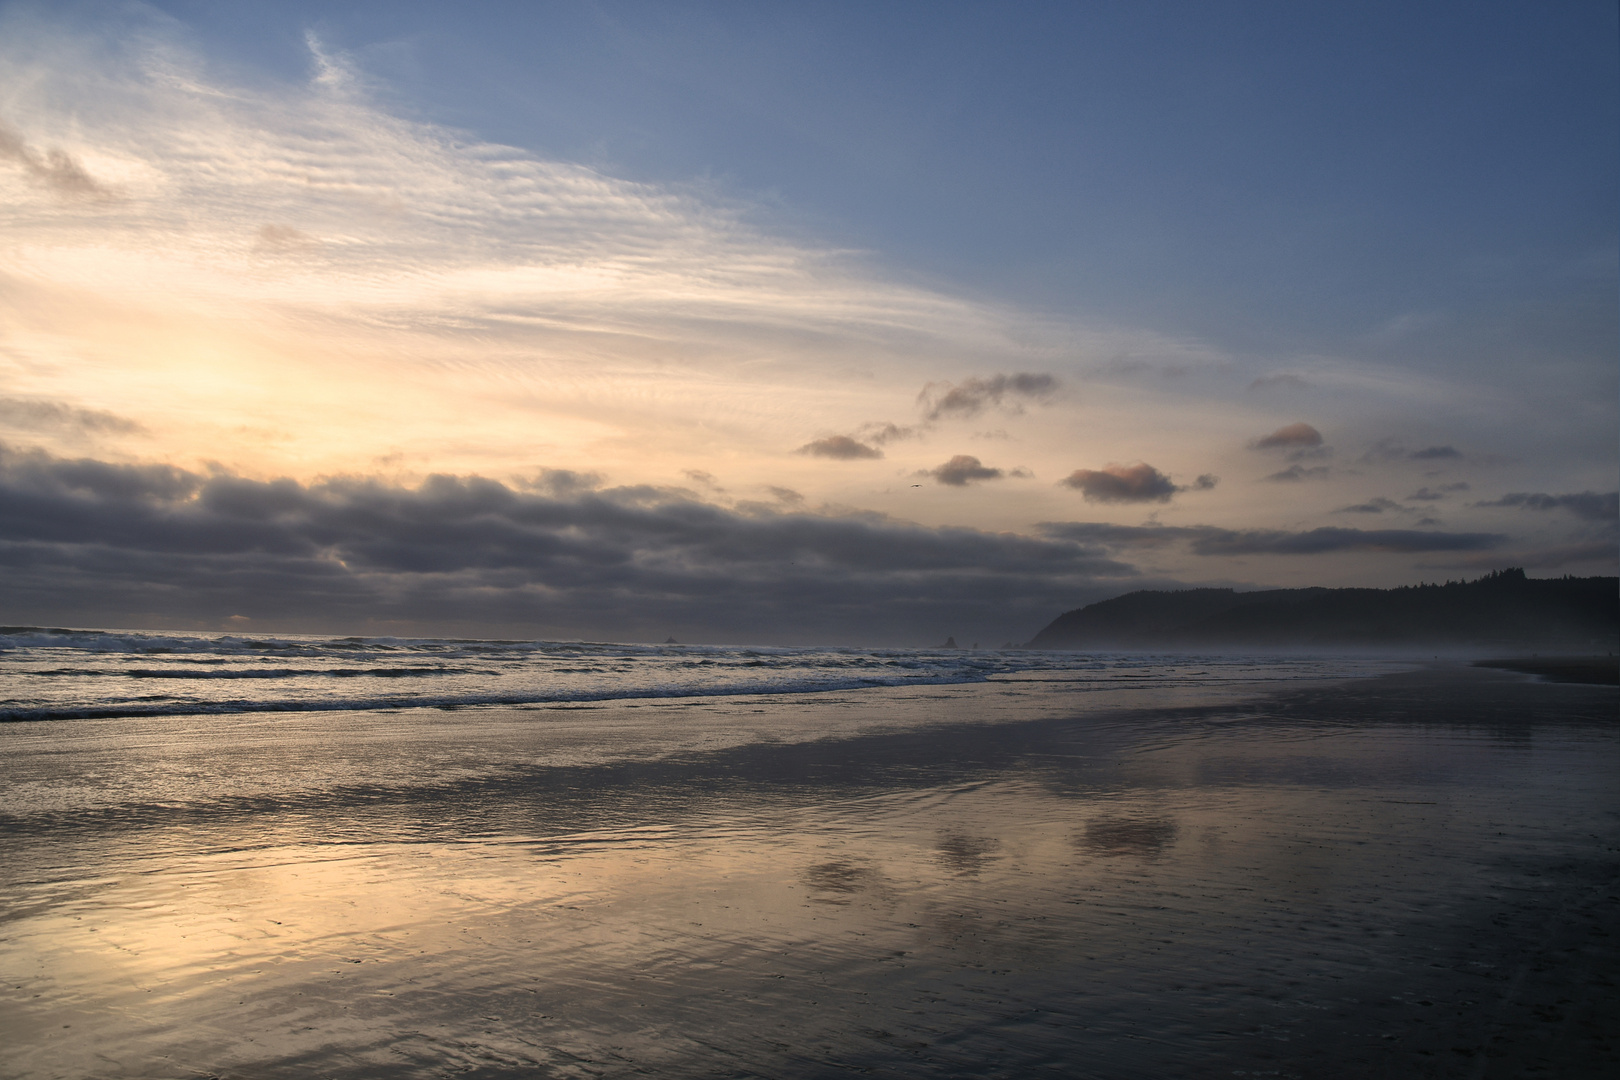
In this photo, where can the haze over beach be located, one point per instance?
(606, 538)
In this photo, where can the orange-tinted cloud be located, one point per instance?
(962, 470)
(839, 447)
(1127, 483)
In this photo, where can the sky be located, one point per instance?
(786, 324)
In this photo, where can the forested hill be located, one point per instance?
(1504, 608)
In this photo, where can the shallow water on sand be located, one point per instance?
(961, 881)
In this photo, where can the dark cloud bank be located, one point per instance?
(87, 542)
(91, 543)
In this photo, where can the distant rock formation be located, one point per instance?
(950, 643)
(1504, 608)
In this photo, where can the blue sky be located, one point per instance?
(1046, 270)
(1272, 176)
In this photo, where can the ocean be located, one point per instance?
(282, 856)
(76, 674)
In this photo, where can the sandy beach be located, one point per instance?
(1408, 875)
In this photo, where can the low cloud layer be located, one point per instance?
(110, 544)
(1586, 505)
(1210, 540)
(1138, 483)
(969, 398)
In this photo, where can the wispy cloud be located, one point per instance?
(1395, 450)
(1282, 380)
(1376, 505)
(1295, 473)
(36, 415)
(349, 261)
(1443, 491)
(972, 396)
(54, 169)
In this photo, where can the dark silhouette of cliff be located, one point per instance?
(1504, 608)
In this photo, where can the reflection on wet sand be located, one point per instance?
(1144, 837)
(1173, 893)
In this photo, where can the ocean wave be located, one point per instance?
(53, 673)
(14, 714)
(271, 673)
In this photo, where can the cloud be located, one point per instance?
(1586, 505)
(56, 170)
(282, 238)
(839, 447)
(1115, 483)
(1295, 473)
(378, 280)
(1211, 540)
(32, 414)
(1375, 506)
(106, 543)
(1444, 491)
(1122, 483)
(704, 479)
(1282, 380)
(962, 469)
(1395, 450)
(559, 483)
(1300, 436)
(973, 396)
(1550, 557)
(881, 433)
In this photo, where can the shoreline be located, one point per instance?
(1600, 670)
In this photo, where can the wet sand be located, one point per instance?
(1412, 875)
(1577, 669)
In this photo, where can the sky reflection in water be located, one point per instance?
(955, 883)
